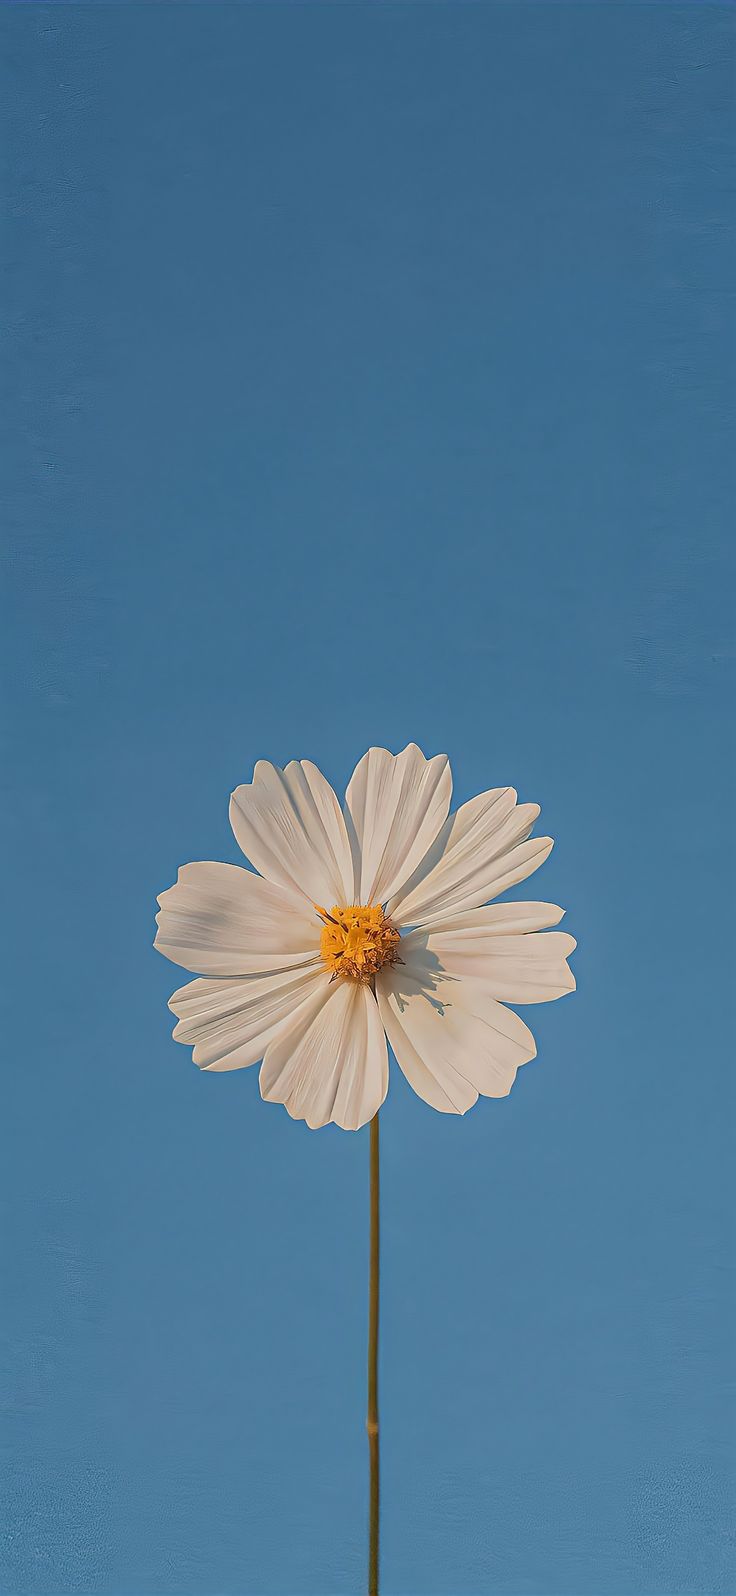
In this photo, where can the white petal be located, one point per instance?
(394, 808)
(230, 1023)
(451, 1039)
(503, 919)
(332, 1065)
(472, 825)
(219, 919)
(481, 851)
(291, 827)
(518, 969)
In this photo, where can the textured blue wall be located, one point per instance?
(368, 381)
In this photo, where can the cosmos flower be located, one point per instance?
(363, 924)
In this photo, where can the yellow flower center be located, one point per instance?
(357, 940)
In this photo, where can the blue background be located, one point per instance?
(369, 379)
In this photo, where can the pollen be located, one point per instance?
(357, 940)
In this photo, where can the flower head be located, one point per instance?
(367, 923)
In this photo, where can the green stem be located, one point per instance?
(372, 1417)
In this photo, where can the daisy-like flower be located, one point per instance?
(366, 923)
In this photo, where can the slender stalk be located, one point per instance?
(371, 1422)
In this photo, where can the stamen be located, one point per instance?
(357, 940)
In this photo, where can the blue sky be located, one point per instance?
(369, 383)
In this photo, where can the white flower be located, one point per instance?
(365, 924)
